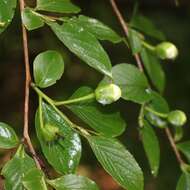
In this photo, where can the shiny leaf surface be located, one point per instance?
(132, 82)
(154, 69)
(96, 116)
(98, 29)
(73, 182)
(8, 137)
(151, 147)
(34, 180)
(16, 168)
(64, 152)
(84, 45)
(7, 10)
(31, 20)
(118, 162)
(48, 68)
(58, 6)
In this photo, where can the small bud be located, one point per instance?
(49, 132)
(166, 50)
(177, 118)
(107, 94)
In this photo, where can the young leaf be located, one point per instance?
(184, 182)
(31, 20)
(132, 82)
(84, 45)
(184, 147)
(58, 6)
(98, 29)
(16, 168)
(34, 180)
(154, 69)
(143, 24)
(151, 147)
(8, 137)
(135, 41)
(158, 103)
(48, 68)
(73, 182)
(118, 162)
(108, 123)
(64, 152)
(7, 10)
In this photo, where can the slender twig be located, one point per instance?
(125, 29)
(172, 142)
(27, 90)
(140, 66)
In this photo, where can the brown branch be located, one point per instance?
(140, 66)
(27, 90)
(125, 29)
(173, 145)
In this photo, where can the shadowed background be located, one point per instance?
(173, 21)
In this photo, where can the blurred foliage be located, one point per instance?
(173, 21)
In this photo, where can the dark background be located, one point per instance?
(173, 21)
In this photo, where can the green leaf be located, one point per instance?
(34, 180)
(154, 69)
(132, 82)
(135, 41)
(84, 45)
(58, 6)
(96, 116)
(8, 137)
(73, 182)
(158, 103)
(48, 68)
(7, 10)
(31, 20)
(145, 25)
(184, 147)
(98, 29)
(184, 182)
(155, 120)
(151, 147)
(118, 162)
(16, 168)
(64, 152)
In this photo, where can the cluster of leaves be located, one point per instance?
(59, 137)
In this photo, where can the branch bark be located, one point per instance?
(140, 66)
(27, 90)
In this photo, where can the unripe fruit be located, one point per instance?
(107, 94)
(50, 132)
(177, 118)
(166, 50)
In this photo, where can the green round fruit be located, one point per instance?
(177, 118)
(166, 50)
(50, 132)
(107, 94)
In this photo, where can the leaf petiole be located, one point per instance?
(156, 113)
(83, 98)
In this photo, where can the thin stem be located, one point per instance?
(51, 102)
(27, 89)
(71, 101)
(172, 143)
(139, 64)
(148, 46)
(125, 29)
(156, 113)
